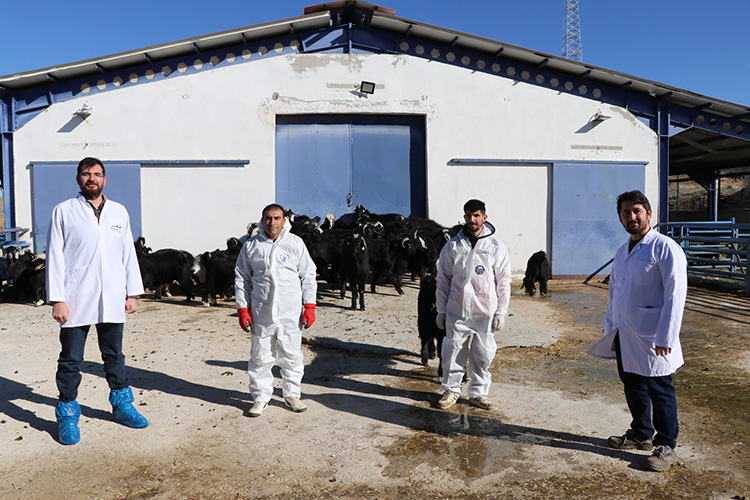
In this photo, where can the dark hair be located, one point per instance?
(90, 162)
(273, 206)
(472, 206)
(634, 196)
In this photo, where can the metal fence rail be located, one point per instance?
(717, 252)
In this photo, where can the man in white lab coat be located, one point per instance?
(275, 291)
(473, 292)
(92, 279)
(647, 291)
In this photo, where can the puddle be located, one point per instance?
(594, 370)
(472, 445)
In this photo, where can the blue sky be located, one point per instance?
(696, 45)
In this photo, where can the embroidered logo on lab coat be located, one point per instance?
(115, 229)
(284, 257)
(479, 269)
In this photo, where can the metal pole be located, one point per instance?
(663, 130)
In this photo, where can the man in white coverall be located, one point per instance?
(92, 279)
(274, 278)
(647, 291)
(473, 292)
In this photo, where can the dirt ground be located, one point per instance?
(371, 430)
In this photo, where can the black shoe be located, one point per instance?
(629, 442)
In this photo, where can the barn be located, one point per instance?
(350, 104)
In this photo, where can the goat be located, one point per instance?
(354, 268)
(389, 258)
(537, 270)
(27, 280)
(216, 271)
(163, 267)
(429, 333)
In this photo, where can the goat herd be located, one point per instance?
(348, 251)
(351, 250)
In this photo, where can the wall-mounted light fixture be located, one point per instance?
(367, 87)
(599, 117)
(84, 112)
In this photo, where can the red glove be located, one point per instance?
(245, 319)
(308, 316)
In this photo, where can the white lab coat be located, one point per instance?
(473, 285)
(91, 265)
(274, 279)
(647, 291)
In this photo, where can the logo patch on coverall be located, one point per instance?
(479, 269)
(284, 257)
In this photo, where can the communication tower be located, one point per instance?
(572, 31)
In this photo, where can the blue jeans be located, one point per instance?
(73, 341)
(644, 393)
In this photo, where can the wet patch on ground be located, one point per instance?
(713, 395)
(467, 456)
(593, 370)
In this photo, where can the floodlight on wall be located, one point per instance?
(84, 112)
(367, 87)
(599, 117)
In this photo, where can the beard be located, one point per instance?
(91, 191)
(637, 228)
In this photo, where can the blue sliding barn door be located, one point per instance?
(586, 231)
(331, 163)
(53, 183)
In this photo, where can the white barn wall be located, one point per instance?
(521, 224)
(228, 113)
(178, 204)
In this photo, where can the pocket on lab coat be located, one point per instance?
(647, 322)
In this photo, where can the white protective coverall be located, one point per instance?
(274, 279)
(473, 285)
(647, 291)
(91, 265)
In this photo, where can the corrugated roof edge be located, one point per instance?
(256, 32)
(385, 19)
(558, 63)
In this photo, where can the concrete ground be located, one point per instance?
(371, 430)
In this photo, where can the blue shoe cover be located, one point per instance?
(67, 414)
(123, 411)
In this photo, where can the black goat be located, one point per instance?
(389, 258)
(216, 271)
(161, 268)
(537, 270)
(303, 224)
(27, 280)
(354, 268)
(429, 333)
(325, 252)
